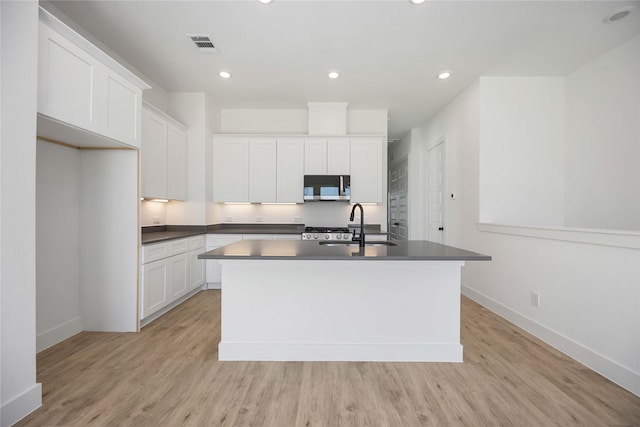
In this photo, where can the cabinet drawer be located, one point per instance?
(154, 252)
(179, 246)
(196, 242)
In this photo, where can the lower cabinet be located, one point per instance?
(170, 270)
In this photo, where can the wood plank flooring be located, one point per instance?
(169, 375)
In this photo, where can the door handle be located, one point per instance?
(396, 223)
(440, 228)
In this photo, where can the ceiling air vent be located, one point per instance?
(203, 43)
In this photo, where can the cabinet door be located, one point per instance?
(176, 162)
(196, 269)
(366, 169)
(338, 155)
(290, 174)
(262, 170)
(230, 169)
(155, 286)
(315, 156)
(153, 155)
(66, 81)
(178, 272)
(120, 110)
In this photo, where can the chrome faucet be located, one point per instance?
(360, 238)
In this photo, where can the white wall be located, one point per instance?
(57, 244)
(522, 155)
(263, 121)
(19, 392)
(603, 140)
(590, 293)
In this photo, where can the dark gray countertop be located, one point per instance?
(161, 233)
(411, 250)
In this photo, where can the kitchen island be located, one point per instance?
(306, 301)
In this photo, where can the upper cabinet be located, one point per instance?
(326, 156)
(366, 169)
(258, 169)
(163, 156)
(262, 170)
(290, 170)
(230, 169)
(85, 98)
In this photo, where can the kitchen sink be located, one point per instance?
(350, 243)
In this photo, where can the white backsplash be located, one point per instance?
(315, 213)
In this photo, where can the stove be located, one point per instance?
(326, 233)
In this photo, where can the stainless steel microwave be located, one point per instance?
(327, 188)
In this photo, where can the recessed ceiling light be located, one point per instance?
(265, 1)
(417, 1)
(333, 74)
(225, 74)
(444, 75)
(618, 14)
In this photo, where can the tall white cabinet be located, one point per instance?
(163, 156)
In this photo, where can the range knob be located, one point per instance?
(315, 236)
(307, 236)
(346, 236)
(327, 236)
(339, 236)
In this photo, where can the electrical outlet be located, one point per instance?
(297, 219)
(259, 219)
(535, 299)
(228, 219)
(156, 220)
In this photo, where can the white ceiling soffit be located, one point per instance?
(388, 53)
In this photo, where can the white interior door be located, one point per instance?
(435, 199)
(398, 202)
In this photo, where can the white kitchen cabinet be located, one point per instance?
(214, 271)
(176, 162)
(163, 156)
(153, 156)
(326, 156)
(290, 170)
(155, 287)
(80, 86)
(262, 170)
(178, 276)
(338, 155)
(170, 270)
(230, 169)
(315, 156)
(196, 268)
(366, 169)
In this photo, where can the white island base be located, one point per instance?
(328, 310)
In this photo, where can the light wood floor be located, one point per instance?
(169, 375)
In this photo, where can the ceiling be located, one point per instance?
(388, 52)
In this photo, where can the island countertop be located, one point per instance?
(409, 250)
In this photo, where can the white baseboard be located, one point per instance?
(335, 352)
(22, 405)
(213, 285)
(615, 372)
(58, 334)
